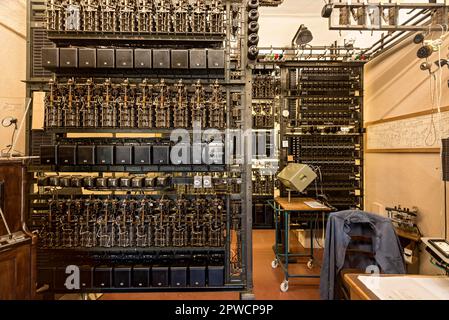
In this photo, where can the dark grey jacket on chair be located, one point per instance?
(387, 249)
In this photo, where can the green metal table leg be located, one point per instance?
(286, 236)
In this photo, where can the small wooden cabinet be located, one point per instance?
(15, 272)
(18, 252)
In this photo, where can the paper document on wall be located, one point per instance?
(410, 133)
(407, 288)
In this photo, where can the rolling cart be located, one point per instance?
(285, 209)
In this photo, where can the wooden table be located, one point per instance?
(359, 291)
(299, 204)
(284, 209)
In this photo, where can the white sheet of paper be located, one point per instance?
(315, 204)
(407, 288)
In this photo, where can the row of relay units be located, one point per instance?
(155, 16)
(206, 183)
(265, 86)
(129, 222)
(72, 154)
(133, 58)
(134, 105)
(128, 182)
(138, 276)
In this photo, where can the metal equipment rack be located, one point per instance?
(266, 104)
(322, 125)
(103, 268)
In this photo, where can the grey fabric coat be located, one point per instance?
(388, 252)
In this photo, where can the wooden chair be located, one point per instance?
(359, 251)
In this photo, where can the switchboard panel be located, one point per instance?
(323, 116)
(111, 193)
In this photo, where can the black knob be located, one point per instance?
(253, 15)
(253, 4)
(253, 52)
(253, 27)
(253, 39)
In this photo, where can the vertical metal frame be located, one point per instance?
(244, 87)
(284, 121)
(247, 190)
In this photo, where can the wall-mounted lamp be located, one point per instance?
(9, 121)
(302, 37)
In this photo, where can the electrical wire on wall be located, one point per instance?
(432, 129)
(440, 82)
(440, 121)
(436, 90)
(436, 131)
(441, 129)
(320, 195)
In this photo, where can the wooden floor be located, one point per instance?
(266, 279)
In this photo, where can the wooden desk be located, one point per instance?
(298, 204)
(359, 291)
(282, 210)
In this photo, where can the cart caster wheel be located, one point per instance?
(284, 286)
(310, 264)
(274, 263)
